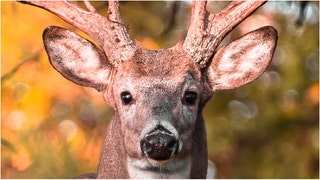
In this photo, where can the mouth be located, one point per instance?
(169, 165)
(146, 168)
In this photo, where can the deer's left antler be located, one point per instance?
(207, 30)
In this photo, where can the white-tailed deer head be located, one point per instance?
(157, 130)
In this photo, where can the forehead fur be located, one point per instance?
(160, 63)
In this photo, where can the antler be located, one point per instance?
(109, 32)
(205, 33)
(207, 30)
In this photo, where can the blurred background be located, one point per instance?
(52, 128)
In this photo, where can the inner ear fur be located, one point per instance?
(243, 60)
(76, 58)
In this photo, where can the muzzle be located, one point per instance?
(159, 144)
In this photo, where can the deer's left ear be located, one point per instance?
(243, 60)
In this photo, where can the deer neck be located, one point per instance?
(199, 152)
(113, 161)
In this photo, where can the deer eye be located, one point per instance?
(126, 97)
(190, 97)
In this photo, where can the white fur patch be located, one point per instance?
(144, 169)
(211, 170)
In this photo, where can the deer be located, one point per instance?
(157, 130)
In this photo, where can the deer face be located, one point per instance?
(157, 104)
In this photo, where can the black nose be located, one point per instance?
(159, 144)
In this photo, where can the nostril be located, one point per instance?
(159, 145)
(172, 144)
(147, 147)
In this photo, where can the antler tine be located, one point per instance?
(109, 32)
(207, 30)
(89, 6)
(113, 11)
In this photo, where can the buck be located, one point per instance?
(157, 130)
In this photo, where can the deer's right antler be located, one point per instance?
(109, 32)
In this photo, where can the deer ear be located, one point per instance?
(76, 58)
(243, 60)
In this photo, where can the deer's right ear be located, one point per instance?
(76, 58)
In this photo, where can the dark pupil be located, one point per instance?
(126, 97)
(191, 97)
